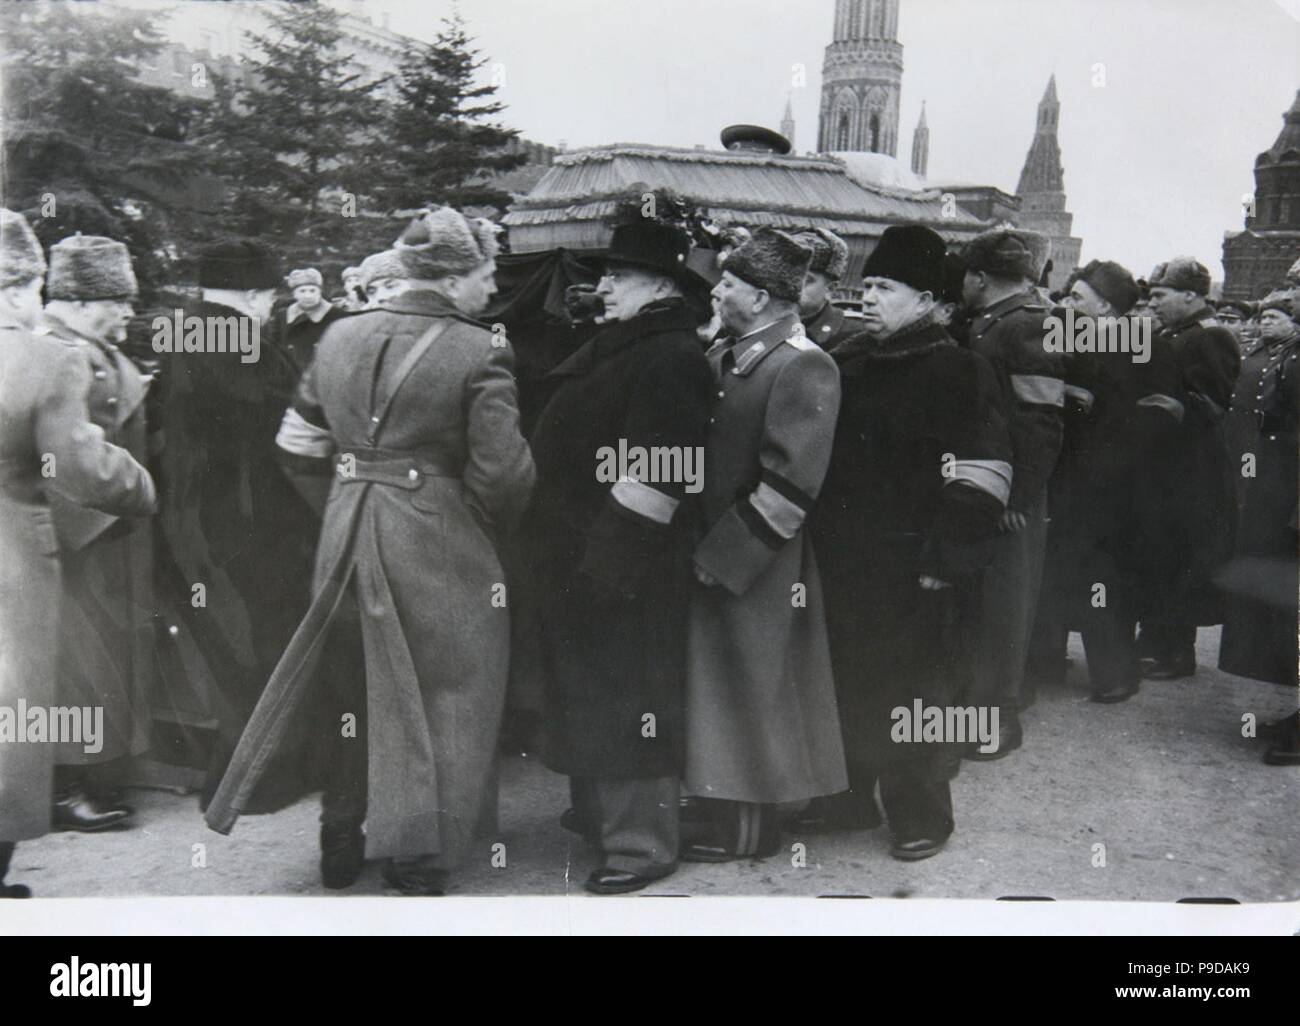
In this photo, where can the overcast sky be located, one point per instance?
(1156, 160)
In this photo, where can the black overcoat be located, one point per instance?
(608, 568)
(1209, 361)
(919, 477)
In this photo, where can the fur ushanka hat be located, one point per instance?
(830, 252)
(442, 242)
(773, 261)
(89, 267)
(21, 257)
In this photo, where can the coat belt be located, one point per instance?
(396, 469)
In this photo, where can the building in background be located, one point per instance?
(1042, 191)
(862, 79)
(857, 196)
(1256, 260)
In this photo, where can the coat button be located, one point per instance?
(100, 375)
(111, 400)
(413, 474)
(722, 395)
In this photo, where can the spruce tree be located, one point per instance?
(300, 135)
(442, 143)
(87, 146)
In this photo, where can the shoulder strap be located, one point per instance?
(404, 369)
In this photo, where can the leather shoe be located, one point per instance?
(1112, 696)
(342, 854)
(618, 881)
(1285, 750)
(15, 891)
(78, 811)
(115, 801)
(719, 853)
(1169, 669)
(917, 849)
(1276, 730)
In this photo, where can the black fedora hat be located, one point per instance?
(652, 245)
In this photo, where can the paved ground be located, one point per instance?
(1166, 782)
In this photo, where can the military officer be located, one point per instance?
(107, 656)
(47, 445)
(762, 731)
(823, 323)
(1002, 269)
(1209, 361)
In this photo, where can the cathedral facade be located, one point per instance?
(862, 79)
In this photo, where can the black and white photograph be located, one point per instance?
(596, 450)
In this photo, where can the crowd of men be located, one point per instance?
(820, 523)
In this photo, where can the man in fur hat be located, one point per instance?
(354, 291)
(302, 322)
(762, 735)
(1109, 491)
(427, 467)
(822, 322)
(609, 556)
(383, 276)
(232, 521)
(918, 482)
(1002, 271)
(1209, 361)
(48, 445)
(106, 658)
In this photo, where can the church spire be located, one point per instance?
(921, 145)
(787, 123)
(1042, 189)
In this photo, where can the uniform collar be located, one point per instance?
(61, 330)
(753, 348)
(1003, 306)
(1197, 316)
(823, 327)
(426, 302)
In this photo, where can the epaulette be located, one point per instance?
(801, 341)
(1208, 322)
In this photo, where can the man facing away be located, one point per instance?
(412, 406)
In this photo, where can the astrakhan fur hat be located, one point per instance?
(90, 267)
(1185, 274)
(1112, 282)
(773, 261)
(442, 242)
(1008, 253)
(830, 252)
(21, 257)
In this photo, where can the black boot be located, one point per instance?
(75, 810)
(342, 854)
(1285, 750)
(409, 878)
(10, 890)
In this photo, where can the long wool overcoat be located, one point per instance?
(428, 465)
(46, 444)
(106, 651)
(761, 720)
(609, 559)
(1259, 627)
(1205, 495)
(920, 475)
